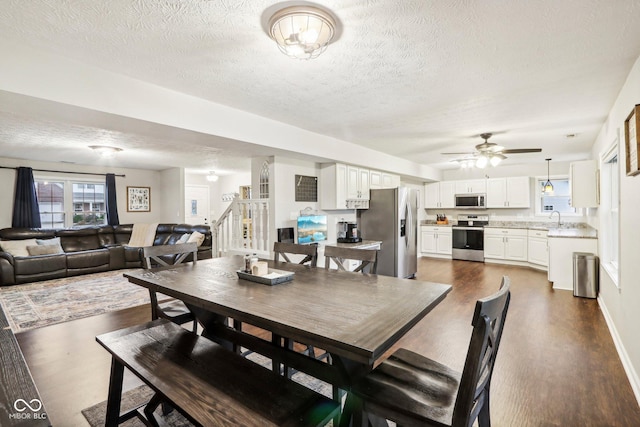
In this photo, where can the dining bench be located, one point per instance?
(208, 384)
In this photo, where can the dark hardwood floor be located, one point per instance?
(557, 364)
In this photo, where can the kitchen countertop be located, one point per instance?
(566, 230)
(365, 244)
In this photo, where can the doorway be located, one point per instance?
(197, 209)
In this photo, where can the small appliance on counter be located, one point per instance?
(347, 232)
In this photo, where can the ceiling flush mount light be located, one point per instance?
(212, 177)
(547, 188)
(105, 150)
(302, 32)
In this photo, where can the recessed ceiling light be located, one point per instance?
(105, 150)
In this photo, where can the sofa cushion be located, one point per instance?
(79, 239)
(44, 250)
(17, 247)
(35, 265)
(84, 259)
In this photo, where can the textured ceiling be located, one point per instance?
(409, 78)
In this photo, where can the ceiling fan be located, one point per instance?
(489, 152)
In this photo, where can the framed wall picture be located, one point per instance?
(632, 142)
(138, 199)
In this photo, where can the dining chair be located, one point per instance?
(310, 252)
(367, 257)
(165, 256)
(413, 390)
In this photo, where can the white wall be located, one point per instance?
(172, 197)
(621, 304)
(226, 184)
(134, 177)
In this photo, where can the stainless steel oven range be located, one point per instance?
(468, 237)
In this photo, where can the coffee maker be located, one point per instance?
(348, 232)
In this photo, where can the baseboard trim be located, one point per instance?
(632, 375)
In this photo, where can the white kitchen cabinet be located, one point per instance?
(390, 180)
(436, 240)
(379, 179)
(357, 183)
(510, 192)
(584, 184)
(505, 243)
(333, 186)
(561, 251)
(440, 195)
(537, 250)
(471, 186)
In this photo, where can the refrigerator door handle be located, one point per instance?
(409, 224)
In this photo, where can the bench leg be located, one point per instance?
(115, 394)
(155, 401)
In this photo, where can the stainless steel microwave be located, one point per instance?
(471, 201)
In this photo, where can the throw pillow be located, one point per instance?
(196, 237)
(55, 242)
(184, 238)
(17, 247)
(44, 250)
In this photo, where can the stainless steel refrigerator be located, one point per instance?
(392, 218)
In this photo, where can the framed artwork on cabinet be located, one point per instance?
(138, 199)
(632, 141)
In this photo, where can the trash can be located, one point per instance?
(585, 275)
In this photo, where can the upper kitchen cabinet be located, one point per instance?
(333, 186)
(471, 186)
(378, 179)
(440, 195)
(357, 183)
(511, 192)
(584, 184)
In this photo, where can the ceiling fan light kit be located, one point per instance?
(489, 153)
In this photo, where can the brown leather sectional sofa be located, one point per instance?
(86, 250)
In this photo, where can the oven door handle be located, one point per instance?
(467, 228)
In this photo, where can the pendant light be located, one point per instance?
(547, 188)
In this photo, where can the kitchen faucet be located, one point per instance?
(551, 216)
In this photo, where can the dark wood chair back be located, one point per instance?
(166, 256)
(161, 254)
(310, 252)
(368, 257)
(488, 323)
(411, 389)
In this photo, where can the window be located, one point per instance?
(264, 181)
(70, 204)
(559, 200)
(610, 216)
(51, 202)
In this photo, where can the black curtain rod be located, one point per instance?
(77, 173)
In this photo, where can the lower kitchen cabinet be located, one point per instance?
(505, 244)
(538, 252)
(561, 251)
(436, 240)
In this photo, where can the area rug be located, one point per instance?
(34, 305)
(95, 414)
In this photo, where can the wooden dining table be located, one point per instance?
(354, 317)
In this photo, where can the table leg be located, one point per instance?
(112, 418)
